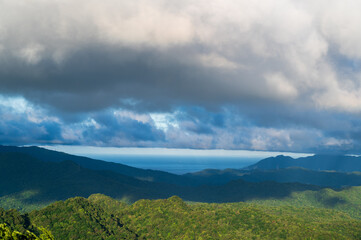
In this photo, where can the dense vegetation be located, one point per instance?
(25, 201)
(14, 226)
(347, 200)
(100, 217)
(6, 233)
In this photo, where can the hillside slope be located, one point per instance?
(100, 217)
(26, 181)
(55, 156)
(339, 163)
(283, 175)
(58, 181)
(347, 200)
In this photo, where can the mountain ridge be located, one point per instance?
(341, 163)
(142, 174)
(52, 181)
(101, 217)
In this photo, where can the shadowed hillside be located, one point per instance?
(55, 156)
(291, 175)
(26, 181)
(340, 163)
(58, 181)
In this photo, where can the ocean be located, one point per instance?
(178, 164)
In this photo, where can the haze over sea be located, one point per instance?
(178, 161)
(178, 164)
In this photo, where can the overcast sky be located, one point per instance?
(270, 75)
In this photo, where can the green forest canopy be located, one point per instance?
(101, 217)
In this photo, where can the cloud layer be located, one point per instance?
(265, 75)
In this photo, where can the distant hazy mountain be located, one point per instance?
(306, 176)
(216, 176)
(284, 175)
(340, 163)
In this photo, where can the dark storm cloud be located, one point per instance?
(270, 75)
(165, 63)
(158, 81)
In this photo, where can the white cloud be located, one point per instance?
(333, 142)
(62, 27)
(163, 121)
(71, 134)
(280, 85)
(270, 138)
(339, 22)
(32, 54)
(143, 118)
(140, 23)
(215, 60)
(16, 107)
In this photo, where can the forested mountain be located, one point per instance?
(16, 226)
(340, 163)
(347, 200)
(301, 175)
(55, 156)
(100, 217)
(7, 233)
(25, 181)
(278, 203)
(218, 177)
(53, 181)
(292, 174)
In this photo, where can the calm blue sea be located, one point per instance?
(178, 164)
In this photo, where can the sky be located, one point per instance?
(270, 75)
